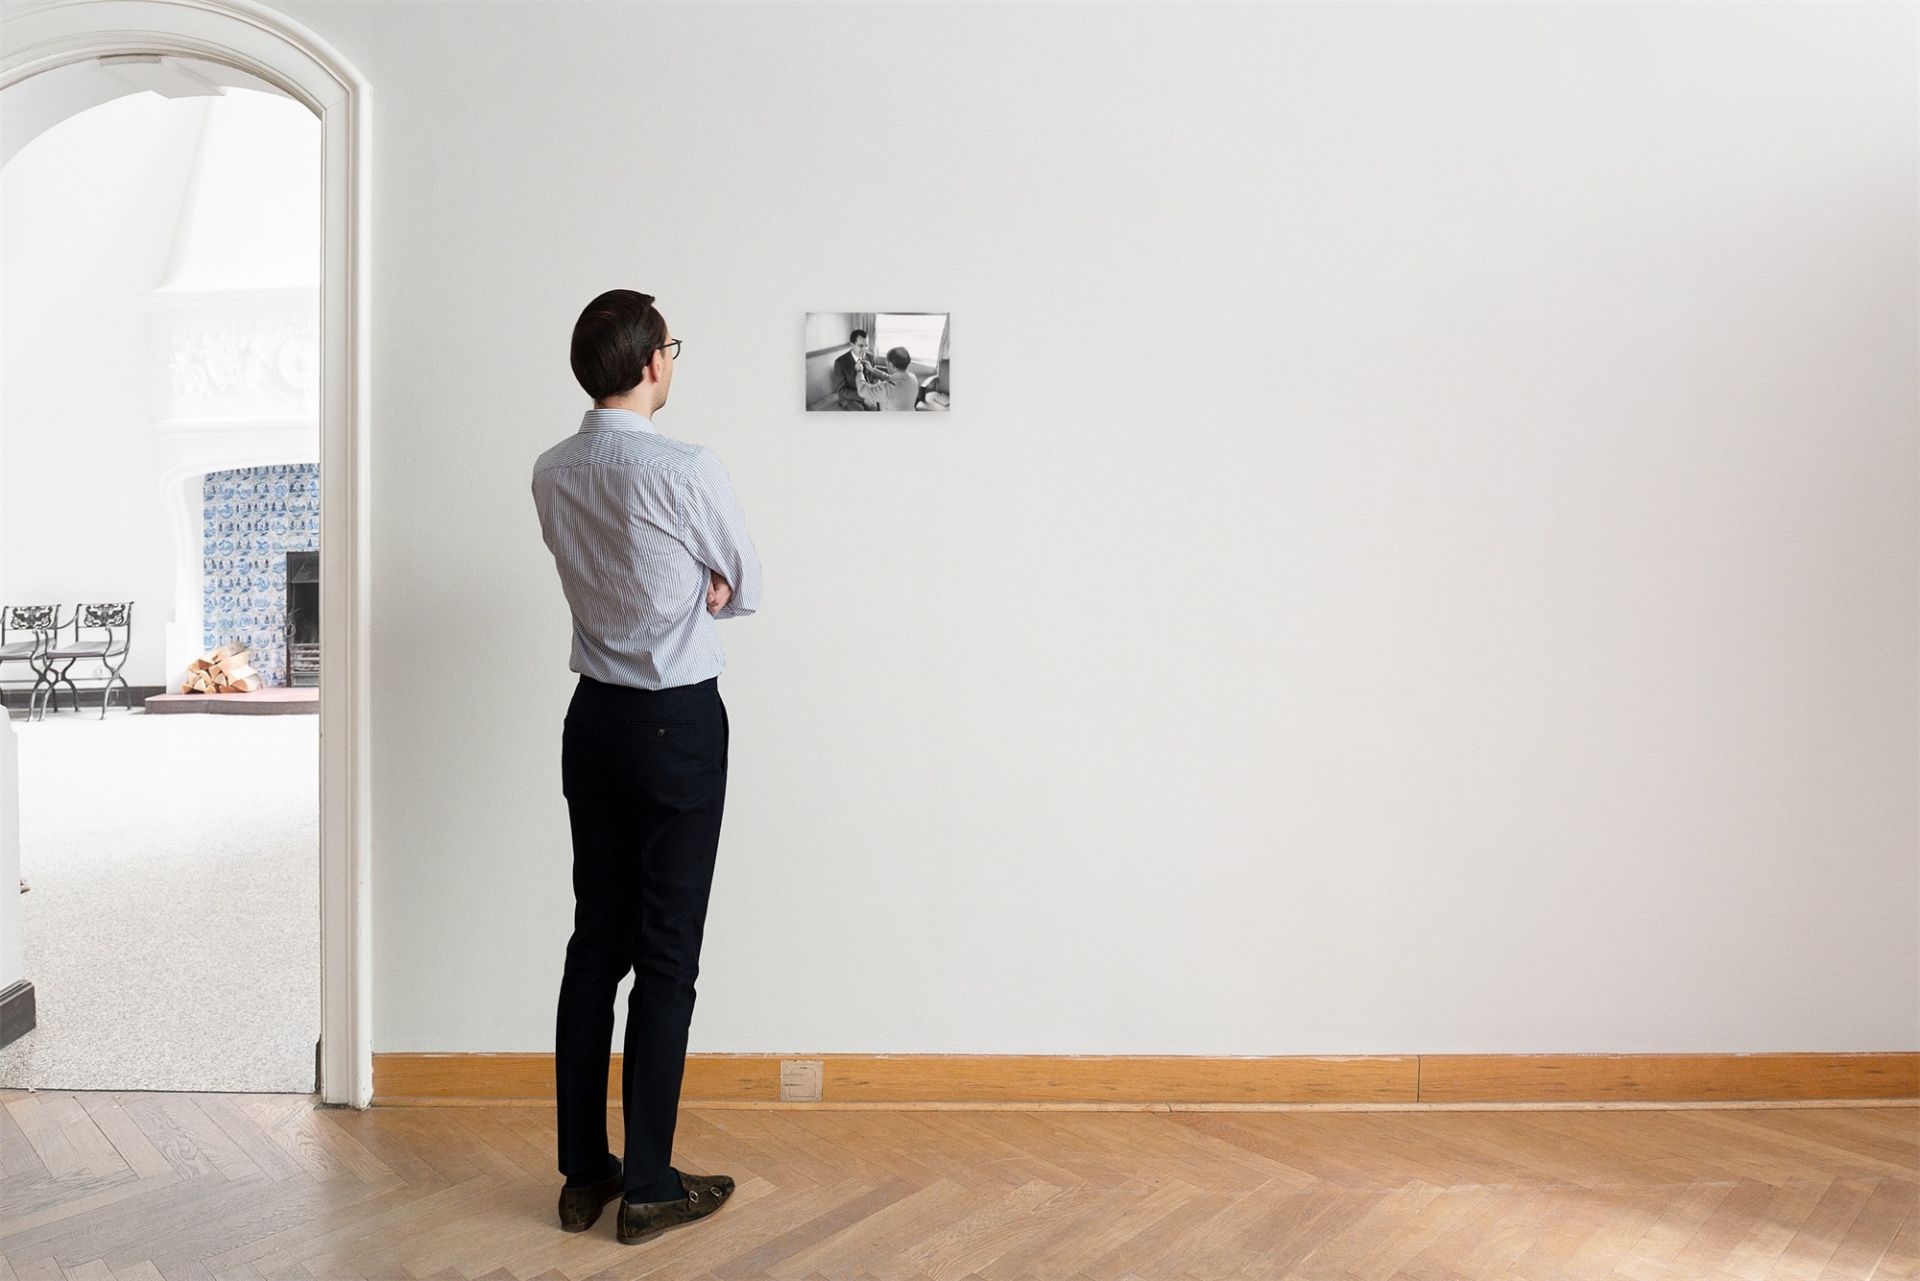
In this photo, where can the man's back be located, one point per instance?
(900, 391)
(648, 538)
(637, 522)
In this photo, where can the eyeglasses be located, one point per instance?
(673, 343)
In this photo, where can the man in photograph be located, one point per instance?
(850, 371)
(652, 550)
(898, 388)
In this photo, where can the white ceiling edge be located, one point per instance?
(38, 103)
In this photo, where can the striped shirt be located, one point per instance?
(635, 522)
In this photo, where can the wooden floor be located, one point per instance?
(166, 1185)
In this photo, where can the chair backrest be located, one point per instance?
(110, 617)
(29, 618)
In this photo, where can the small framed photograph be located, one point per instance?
(874, 361)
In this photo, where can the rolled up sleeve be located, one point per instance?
(714, 529)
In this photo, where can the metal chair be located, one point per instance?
(116, 620)
(41, 621)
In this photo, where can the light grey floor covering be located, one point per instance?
(172, 925)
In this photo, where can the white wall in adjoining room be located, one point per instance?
(1423, 559)
(161, 264)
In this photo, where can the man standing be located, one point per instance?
(652, 549)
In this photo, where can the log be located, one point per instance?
(227, 670)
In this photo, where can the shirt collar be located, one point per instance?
(598, 419)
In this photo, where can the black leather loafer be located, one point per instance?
(705, 1194)
(580, 1207)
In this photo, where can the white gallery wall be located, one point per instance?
(1422, 559)
(158, 309)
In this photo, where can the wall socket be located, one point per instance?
(800, 1080)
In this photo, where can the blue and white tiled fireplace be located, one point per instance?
(258, 519)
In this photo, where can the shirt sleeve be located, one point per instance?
(715, 530)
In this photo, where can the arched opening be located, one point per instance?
(236, 42)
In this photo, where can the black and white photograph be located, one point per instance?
(870, 361)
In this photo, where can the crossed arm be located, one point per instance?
(714, 529)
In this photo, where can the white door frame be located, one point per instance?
(39, 35)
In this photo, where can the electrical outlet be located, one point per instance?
(800, 1080)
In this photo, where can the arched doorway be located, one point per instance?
(42, 37)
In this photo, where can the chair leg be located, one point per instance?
(61, 678)
(33, 695)
(116, 681)
(113, 678)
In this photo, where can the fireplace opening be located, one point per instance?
(303, 618)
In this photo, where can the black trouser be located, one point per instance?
(645, 777)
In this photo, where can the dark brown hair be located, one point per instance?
(614, 340)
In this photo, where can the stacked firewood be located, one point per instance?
(224, 671)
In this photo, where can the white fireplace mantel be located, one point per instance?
(233, 382)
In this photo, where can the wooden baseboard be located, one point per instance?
(90, 696)
(1131, 1081)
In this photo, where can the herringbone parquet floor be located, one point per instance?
(140, 1187)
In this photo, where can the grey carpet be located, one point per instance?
(172, 924)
